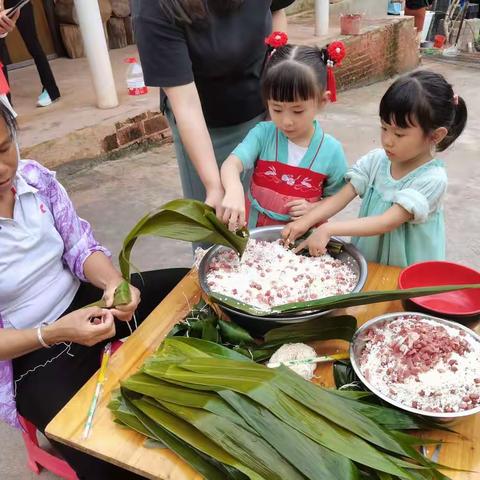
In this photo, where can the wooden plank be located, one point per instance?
(129, 30)
(120, 8)
(72, 39)
(127, 448)
(66, 13)
(117, 35)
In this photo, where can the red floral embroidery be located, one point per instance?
(277, 39)
(336, 52)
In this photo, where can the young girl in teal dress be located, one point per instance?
(295, 163)
(402, 185)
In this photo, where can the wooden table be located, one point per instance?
(123, 447)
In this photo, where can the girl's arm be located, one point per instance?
(87, 326)
(232, 210)
(320, 213)
(188, 113)
(360, 227)
(279, 21)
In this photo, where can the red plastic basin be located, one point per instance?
(458, 303)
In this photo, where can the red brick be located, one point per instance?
(110, 143)
(130, 133)
(138, 118)
(155, 124)
(167, 133)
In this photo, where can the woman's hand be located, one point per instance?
(293, 230)
(316, 242)
(7, 24)
(87, 326)
(298, 208)
(232, 210)
(122, 312)
(214, 197)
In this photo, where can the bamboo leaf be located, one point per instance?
(238, 240)
(255, 385)
(364, 298)
(248, 448)
(183, 219)
(150, 443)
(155, 414)
(313, 460)
(163, 391)
(209, 331)
(122, 296)
(336, 409)
(234, 334)
(341, 327)
(180, 447)
(339, 301)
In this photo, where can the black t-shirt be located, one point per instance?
(224, 58)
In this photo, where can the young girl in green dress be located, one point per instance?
(402, 185)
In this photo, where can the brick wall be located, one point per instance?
(381, 52)
(148, 126)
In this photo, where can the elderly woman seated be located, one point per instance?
(51, 267)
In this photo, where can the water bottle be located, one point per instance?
(135, 81)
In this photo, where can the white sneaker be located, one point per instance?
(44, 99)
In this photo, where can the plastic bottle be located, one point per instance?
(135, 81)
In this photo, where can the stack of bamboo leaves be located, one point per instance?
(231, 418)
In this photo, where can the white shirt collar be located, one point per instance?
(21, 186)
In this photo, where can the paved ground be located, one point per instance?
(114, 195)
(77, 107)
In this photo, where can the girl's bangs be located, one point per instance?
(289, 82)
(403, 106)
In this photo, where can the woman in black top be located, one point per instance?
(207, 57)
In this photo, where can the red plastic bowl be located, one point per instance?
(458, 303)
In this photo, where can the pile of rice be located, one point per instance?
(423, 364)
(268, 275)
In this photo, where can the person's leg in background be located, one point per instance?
(28, 31)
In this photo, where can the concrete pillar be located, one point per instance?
(322, 17)
(93, 35)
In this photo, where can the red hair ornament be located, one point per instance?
(335, 55)
(276, 40)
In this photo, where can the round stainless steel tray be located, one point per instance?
(358, 343)
(350, 255)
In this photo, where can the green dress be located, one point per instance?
(420, 192)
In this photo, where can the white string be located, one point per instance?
(129, 327)
(66, 350)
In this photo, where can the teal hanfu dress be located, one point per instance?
(420, 192)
